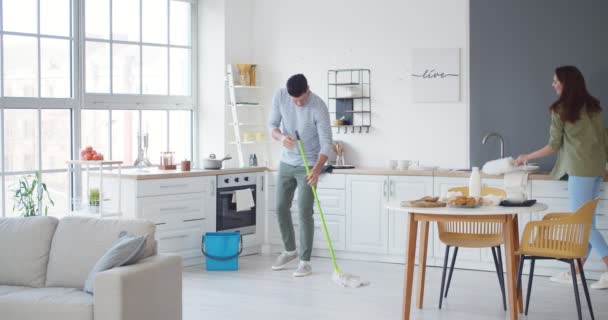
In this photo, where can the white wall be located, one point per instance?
(313, 36)
(211, 60)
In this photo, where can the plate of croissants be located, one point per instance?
(463, 202)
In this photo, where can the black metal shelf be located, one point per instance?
(349, 96)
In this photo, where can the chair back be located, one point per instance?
(565, 238)
(473, 231)
(485, 191)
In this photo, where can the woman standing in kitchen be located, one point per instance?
(577, 134)
(296, 108)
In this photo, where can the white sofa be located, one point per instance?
(44, 263)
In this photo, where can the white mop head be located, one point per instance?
(348, 280)
(499, 166)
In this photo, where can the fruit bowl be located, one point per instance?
(89, 154)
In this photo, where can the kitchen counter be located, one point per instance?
(154, 173)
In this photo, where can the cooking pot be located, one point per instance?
(213, 163)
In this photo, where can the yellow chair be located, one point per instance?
(472, 232)
(563, 237)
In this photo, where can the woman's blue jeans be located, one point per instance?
(581, 190)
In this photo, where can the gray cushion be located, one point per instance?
(125, 251)
(79, 242)
(24, 250)
(47, 304)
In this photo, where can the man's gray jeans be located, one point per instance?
(289, 179)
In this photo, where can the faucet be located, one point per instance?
(502, 142)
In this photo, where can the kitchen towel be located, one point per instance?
(244, 199)
(498, 166)
(516, 185)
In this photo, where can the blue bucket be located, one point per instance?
(222, 250)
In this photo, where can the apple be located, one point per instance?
(88, 156)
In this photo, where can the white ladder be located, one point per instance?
(235, 123)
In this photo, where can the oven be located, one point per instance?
(227, 217)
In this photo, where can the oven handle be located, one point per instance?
(221, 258)
(222, 193)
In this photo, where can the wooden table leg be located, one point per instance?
(410, 255)
(511, 273)
(424, 241)
(520, 300)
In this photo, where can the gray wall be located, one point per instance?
(515, 47)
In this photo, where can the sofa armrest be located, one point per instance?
(148, 290)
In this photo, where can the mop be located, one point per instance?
(339, 277)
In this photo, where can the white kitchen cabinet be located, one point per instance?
(183, 209)
(406, 188)
(367, 219)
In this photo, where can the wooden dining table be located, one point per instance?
(508, 216)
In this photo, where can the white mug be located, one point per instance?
(391, 164)
(403, 164)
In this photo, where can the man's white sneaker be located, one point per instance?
(566, 277)
(304, 269)
(602, 283)
(283, 259)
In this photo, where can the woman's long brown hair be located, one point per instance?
(574, 96)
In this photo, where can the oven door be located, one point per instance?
(227, 218)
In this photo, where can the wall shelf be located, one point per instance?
(349, 98)
(248, 97)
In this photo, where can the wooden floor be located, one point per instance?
(256, 292)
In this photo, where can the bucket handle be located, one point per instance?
(222, 258)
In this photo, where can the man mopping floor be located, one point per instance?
(296, 108)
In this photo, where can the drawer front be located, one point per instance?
(326, 181)
(559, 189)
(172, 209)
(332, 181)
(549, 189)
(173, 186)
(333, 201)
(188, 239)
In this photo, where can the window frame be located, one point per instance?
(143, 101)
(80, 100)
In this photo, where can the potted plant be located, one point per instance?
(28, 195)
(94, 198)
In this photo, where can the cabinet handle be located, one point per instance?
(384, 188)
(190, 220)
(166, 186)
(160, 223)
(173, 209)
(213, 188)
(262, 183)
(175, 237)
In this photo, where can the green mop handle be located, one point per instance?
(314, 192)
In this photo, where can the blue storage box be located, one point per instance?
(222, 250)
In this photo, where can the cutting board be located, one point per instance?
(422, 204)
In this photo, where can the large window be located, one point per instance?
(110, 69)
(37, 97)
(138, 47)
(114, 132)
